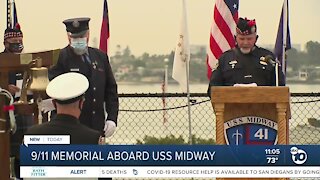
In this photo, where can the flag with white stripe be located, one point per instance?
(222, 32)
(180, 71)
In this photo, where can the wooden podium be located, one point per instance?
(263, 101)
(11, 63)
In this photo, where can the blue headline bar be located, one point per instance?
(169, 155)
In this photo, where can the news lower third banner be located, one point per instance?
(170, 161)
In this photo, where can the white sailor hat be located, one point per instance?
(67, 88)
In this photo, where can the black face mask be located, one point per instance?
(15, 47)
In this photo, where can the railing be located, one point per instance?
(160, 115)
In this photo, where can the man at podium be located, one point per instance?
(246, 63)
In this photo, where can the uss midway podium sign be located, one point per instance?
(251, 115)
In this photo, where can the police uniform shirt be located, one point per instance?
(237, 68)
(102, 85)
(64, 124)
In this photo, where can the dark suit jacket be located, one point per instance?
(64, 124)
(237, 68)
(102, 89)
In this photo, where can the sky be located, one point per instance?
(152, 26)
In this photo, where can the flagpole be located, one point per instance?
(189, 105)
(188, 88)
(284, 34)
(165, 86)
(8, 14)
(284, 46)
(187, 59)
(166, 60)
(180, 69)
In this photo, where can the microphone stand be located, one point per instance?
(275, 63)
(277, 73)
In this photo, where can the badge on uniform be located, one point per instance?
(263, 60)
(75, 23)
(233, 63)
(94, 65)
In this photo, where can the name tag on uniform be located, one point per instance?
(74, 69)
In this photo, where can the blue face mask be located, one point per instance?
(79, 45)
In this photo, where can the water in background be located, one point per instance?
(200, 88)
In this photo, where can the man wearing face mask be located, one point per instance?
(13, 40)
(13, 43)
(102, 95)
(246, 63)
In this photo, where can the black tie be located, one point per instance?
(86, 58)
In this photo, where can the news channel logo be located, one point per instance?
(299, 156)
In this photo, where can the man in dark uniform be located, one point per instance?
(13, 43)
(68, 102)
(94, 64)
(246, 63)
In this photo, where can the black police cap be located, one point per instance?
(77, 26)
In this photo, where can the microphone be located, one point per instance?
(269, 59)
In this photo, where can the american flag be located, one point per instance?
(105, 31)
(222, 32)
(15, 17)
(283, 36)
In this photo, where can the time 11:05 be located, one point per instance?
(273, 151)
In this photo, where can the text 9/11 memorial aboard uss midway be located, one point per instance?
(152, 96)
